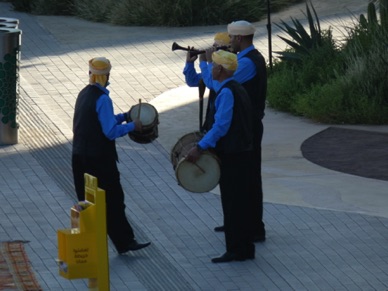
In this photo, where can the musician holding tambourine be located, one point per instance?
(95, 130)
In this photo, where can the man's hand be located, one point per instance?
(138, 125)
(202, 58)
(209, 53)
(193, 154)
(189, 57)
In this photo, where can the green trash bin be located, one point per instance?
(10, 43)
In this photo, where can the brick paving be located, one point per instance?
(333, 246)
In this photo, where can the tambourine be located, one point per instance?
(149, 118)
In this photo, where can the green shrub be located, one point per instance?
(278, 5)
(156, 12)
(336, 102)
(367, 71)
(300, 40)
(150, 13)
(49, 7)
(282, 86)
(346, 84)
(97, 10)
(366, 54)
(21, 5)
(321, 103)
(123, 13)
(184, 12)
(291, 77)
(44, 7)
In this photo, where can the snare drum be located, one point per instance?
(149, 118)
(145, 136)
(204, 175)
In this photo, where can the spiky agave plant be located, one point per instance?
(301, 41)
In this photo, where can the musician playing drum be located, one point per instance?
(231, 137)
(95, 128)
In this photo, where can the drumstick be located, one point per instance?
(138, 113)
(199, 167)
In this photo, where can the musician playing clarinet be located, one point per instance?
(194, 79)
(251, 73)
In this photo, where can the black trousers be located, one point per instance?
(259, 227)
(106, 171)
(237, 202)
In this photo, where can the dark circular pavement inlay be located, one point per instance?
(356, 152)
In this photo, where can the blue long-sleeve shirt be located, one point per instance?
(222, 119)
(192, 77)
(206, 71)
(246, 69)
(111, 124)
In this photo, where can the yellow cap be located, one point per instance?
(226, 59)
(222, 39)
(99, 69)
(99, 66)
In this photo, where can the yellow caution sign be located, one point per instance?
(83, 248)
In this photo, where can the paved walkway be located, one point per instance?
(326, 230)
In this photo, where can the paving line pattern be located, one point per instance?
(46, 145)
(307, 248)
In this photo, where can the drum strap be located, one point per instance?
(201, 89)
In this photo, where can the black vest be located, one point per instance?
(257, 86)
(239, 136)
(88, 139)
(209, 117)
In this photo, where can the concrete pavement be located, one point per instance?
(326, 230)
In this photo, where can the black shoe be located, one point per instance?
(259, 238)
(219, 228)
(228, 257)
(251, 257)
(134, 246)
